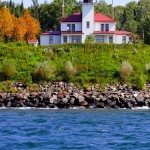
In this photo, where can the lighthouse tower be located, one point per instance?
(87, 18)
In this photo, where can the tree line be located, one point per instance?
(133, 17)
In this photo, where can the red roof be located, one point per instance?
(99, 17)
(122, 32)
(104, 32)
(70, 32)
(51, 33)
(112, 32)
(77, 17)
(32, 41)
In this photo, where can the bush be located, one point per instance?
(90, 39)
(8, 69)
(125, 71)
(70, 70)
(28, 78)
(147, 67)
(139, 82)
(43, 71)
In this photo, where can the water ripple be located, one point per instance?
(74, 129)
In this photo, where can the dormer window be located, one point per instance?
(106, 27)
(70, 27)
(102, 27)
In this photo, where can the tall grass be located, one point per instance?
(88, 63)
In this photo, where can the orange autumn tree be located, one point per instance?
(32, 26)
(6, 24)
(20, 29)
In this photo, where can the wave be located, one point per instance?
(139, 108)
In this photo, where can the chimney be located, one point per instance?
(112, 11)
(63, 9)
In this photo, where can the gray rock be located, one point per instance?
(139, 98)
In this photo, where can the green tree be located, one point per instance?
(128, 22)
(103, 8)
(146, 27)
(35, 9)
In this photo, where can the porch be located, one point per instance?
(71, 39)
(105, 38)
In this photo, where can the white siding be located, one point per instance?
(56, 39)
(97, 26)
(87, 15)
(44, 40)
(120, 37)
(78, 26)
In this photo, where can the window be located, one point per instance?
(70, 27)
(102, 27)
(100, 39)
(106, 27)
(65, 39)
(110, 39)
(75, 39)
(97, 38)
(78, 39)
(124, 39)
(88, 24)
(50, 39)
(73, 27)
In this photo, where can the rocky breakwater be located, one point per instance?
(66, 95)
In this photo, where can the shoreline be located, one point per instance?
(73, 108)
(63, 95)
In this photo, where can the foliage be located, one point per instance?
(70, 70)
(8, 69)
(17, 29)
(139, 82)
(147, 67)
(133, 17)
(43, 71)
(32, 26)
(6, 23)
(88, 63)
(89, 39)
(125, 70)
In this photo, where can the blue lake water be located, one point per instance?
(75, 129)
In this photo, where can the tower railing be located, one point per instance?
(87, 1)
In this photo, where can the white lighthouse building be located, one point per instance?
(76, 27)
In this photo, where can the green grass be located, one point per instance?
(94, 63)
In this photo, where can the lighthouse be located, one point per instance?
(87, 17)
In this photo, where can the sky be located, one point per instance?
(29, 2)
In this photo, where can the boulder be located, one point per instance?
(139, 98)
(72, 100)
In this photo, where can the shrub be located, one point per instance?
(8, 69)
(70, 70)
(28, 78)
(147, 67)
(43, 71)
(139, 82)
(125, 71)
(90, 39)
